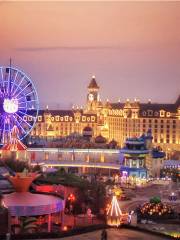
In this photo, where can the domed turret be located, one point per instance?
(100, 139)
(87, 132)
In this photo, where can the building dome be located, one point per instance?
(87, 132)
(113, 143)
(100, 139)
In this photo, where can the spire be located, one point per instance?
(93, 83)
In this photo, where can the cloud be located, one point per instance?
(55, 48)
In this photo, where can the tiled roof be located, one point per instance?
(58, 112)
(158, 107)
(117, 105)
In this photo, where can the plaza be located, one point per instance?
(116, 234)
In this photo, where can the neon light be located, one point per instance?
(10, 105)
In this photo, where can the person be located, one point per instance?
(104, 234)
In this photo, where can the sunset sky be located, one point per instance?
(133, 48)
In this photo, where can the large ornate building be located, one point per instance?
(114, 120)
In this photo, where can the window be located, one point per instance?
(168, 114)
(162, 113)
(66, 118)
(92, 118)
(150, 113)
(39, 118)
(83, 118)
(57, 118)
(156, 114)
(134, 163)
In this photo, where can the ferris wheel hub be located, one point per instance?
(10, 105)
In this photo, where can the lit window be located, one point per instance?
(92, 118)
(83, 118)
(66, 118)
(57, 118)
(25, 118)
(39, 118)
(162, 113)
(168, 114)
(52, 119)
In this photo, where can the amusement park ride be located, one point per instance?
(18, 107)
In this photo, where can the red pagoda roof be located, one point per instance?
(17, 146)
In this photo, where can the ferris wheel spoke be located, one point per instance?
(28, 102)
(12, 87)
(26, 95)
(23, 90)
(2, 77)
(3, 132)
(8, 81)
(23, 120)
(22, 79)
(27, 115)
(9, 131)
(19, 124)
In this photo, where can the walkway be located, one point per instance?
(115, 234)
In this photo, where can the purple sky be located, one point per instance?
(133, 48)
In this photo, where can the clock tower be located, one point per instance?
(93, 95)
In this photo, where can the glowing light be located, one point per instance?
(65, 228)
(114, 207)
(71, 198)
(10, 105)
(114, 213)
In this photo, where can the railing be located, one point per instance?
(56, 163)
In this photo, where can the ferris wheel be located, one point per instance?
(19, 103)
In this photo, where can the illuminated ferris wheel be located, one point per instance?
(18, 103)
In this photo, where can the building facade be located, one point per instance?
(114, 121)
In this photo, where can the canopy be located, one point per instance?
(28, 204)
